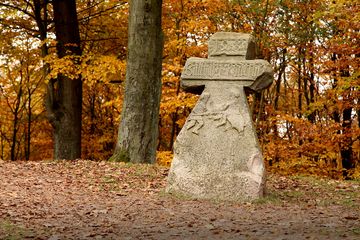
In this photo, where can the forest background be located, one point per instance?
(307, 122)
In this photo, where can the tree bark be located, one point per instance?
(346, 152)
(312, 115)
(299, 81)
(347, 159)
(282, 68)
(64, 100)
(138, 131)
(17, 112)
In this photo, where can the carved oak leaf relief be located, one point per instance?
(225, 115)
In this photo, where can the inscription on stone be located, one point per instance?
(197, 68)
(216, 154)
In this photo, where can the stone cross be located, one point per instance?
(217, 154)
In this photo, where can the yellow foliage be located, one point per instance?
(68, 66)
(356, 173)
(102, 68)
(92, 68)
(164, 158)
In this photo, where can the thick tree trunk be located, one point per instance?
(138, 131)
(64, 100)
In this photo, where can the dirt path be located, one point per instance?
(98, 200)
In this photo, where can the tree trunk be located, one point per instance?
(299, 81)
(29, 118)
(138, 131)
(17, 112)
(174, 125)
(312, 115)
(347, 160)
(282, 68)
(64, 100)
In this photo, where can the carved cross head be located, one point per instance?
(231, 58)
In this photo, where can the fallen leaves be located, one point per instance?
(102, 200)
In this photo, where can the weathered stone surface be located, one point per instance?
(216, 154)
(232, 44)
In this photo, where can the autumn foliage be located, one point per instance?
(307, 122)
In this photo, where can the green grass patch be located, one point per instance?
(10, 231)
(271, 198)
(356, 231)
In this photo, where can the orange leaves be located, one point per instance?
(172, 70)
(296, 146)
(102, 68)
(164, 158)
(67, 66)
(179, 103)
(92, 68)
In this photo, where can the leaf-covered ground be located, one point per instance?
(100, 200)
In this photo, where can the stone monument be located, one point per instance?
(217, 154)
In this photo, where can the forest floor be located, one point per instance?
(102, 200)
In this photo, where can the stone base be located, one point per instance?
(239, 186)
(216, 154)
(217, 179)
